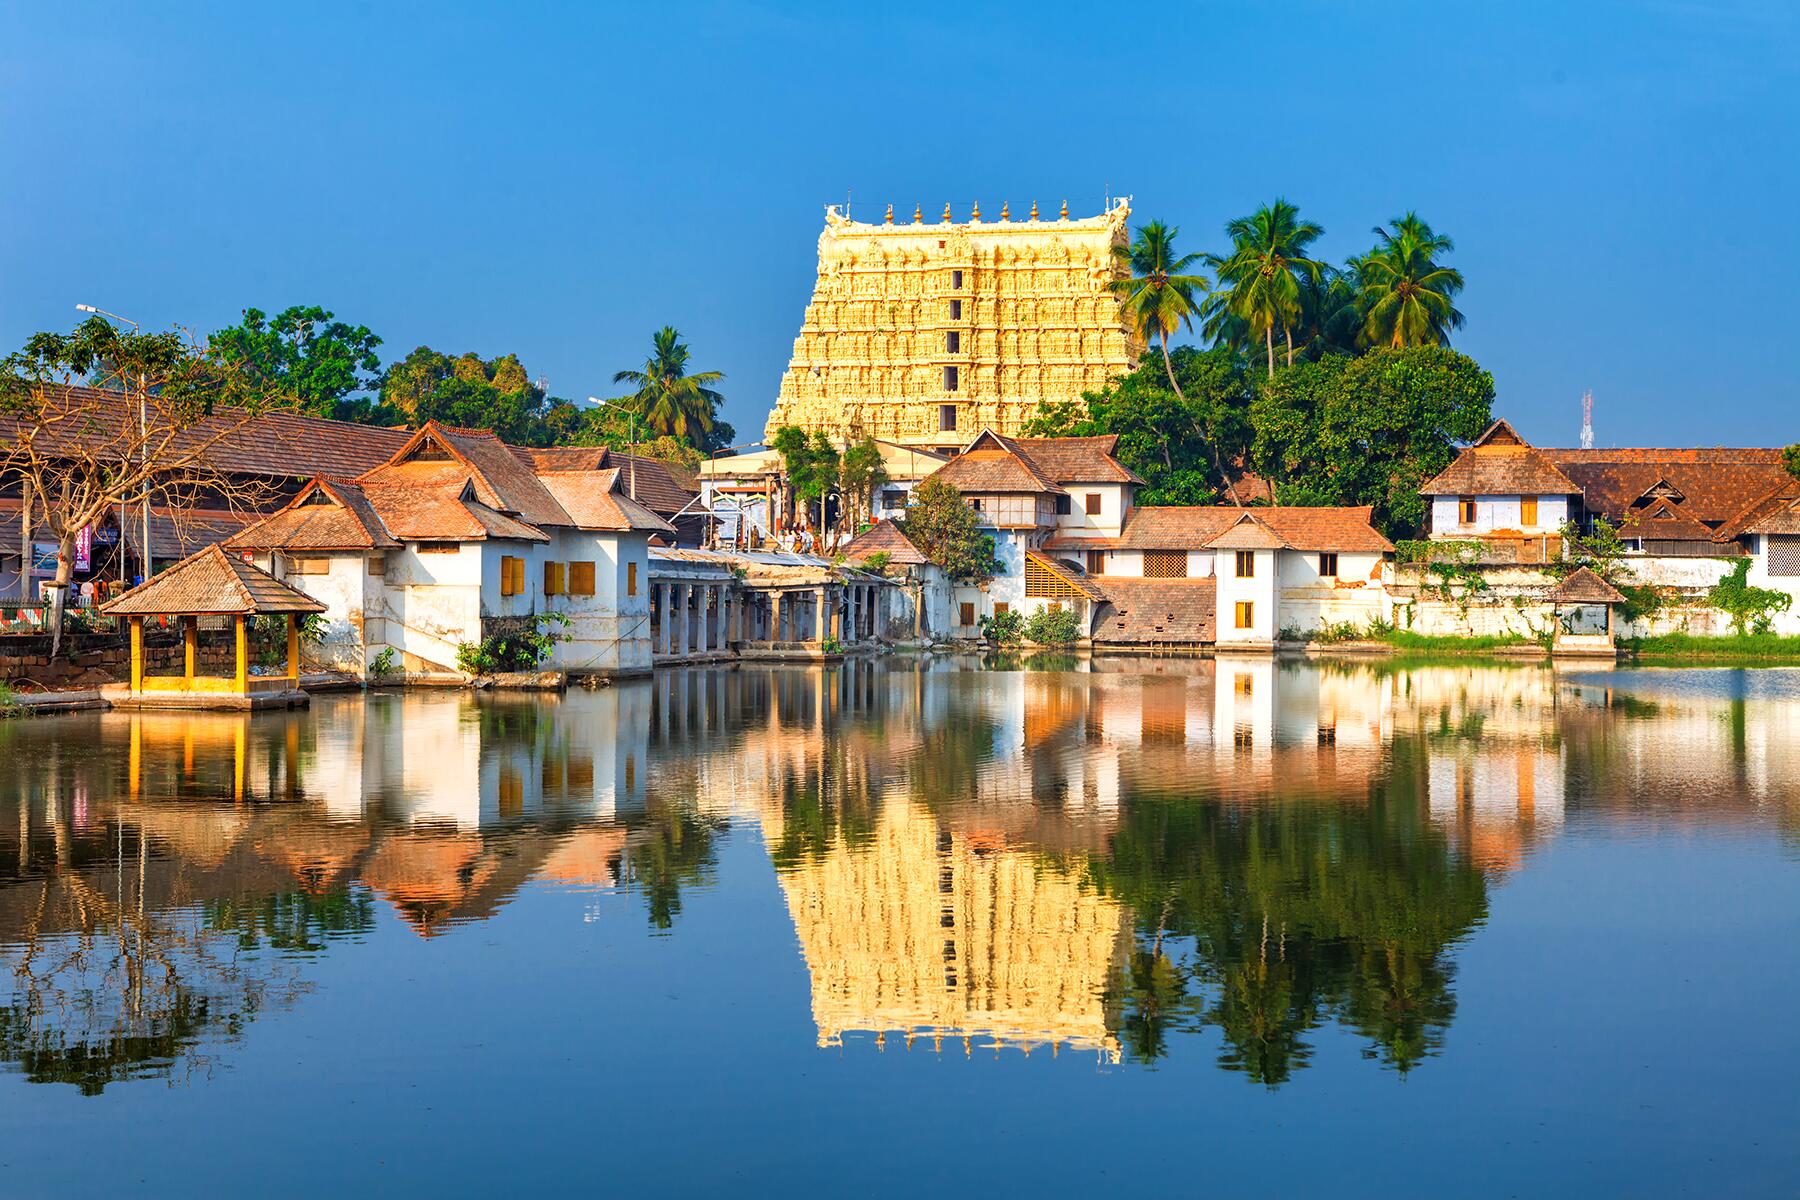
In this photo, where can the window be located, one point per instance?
(893, 498)
(1465, 509)
(512, 576)
(956, 310)
(1328, 566)
(1165, 564)
(1092, 503)
(1246, 614)
(952, 342)
(631, 579)
(553, 579)
(436, 547)
(581, 579)
(1001, 608)
(378, 564)
(1062, 506)
(309, 566)
(1783, 552)
(947, 413)
(1096, 562)
(1528, 512)
(1246, 564)
(967, 614)
(950, 381)
(956, 280)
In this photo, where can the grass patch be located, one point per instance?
(1438, 643)
(1744, 647)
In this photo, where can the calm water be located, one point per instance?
(1222, 928)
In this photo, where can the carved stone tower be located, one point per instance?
(927, 333)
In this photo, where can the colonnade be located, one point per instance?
(702, 618)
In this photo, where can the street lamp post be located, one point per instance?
(631, 466)
(144, 555)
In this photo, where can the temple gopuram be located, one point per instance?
(928, 333)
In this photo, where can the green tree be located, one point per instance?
(1158, 298)
(471, 392)
(1369, 430)
(305, 353)
(1260, 280)
(811, 467)
(1405, 295)
(1790, 458)
(945, 530)
(861, 474)
(672, 401)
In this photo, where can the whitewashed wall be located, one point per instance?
(1496, 512)
(1259, 589)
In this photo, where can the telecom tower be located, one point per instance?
(1587, 420)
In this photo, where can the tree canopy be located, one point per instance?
(945, 530)
(328, 366)
(671, 401)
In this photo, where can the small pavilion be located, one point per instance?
(1582, 592)
(213, 584)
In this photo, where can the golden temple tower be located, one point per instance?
(925, 334)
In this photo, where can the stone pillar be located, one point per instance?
(715, 616)
(678, 613)
(821, 621)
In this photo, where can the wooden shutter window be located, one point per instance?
(1528, 512)
(512, 575)
(553, 579)
(1093, 504)
(631, 579)
(1466, 509)
(1246, 564)
(1165, 564)
(581, 579)
(1246, 614)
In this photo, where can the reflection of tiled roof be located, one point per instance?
(1157, 611)
(1584, 587)
(593, 501)
(1500, 463)
(886, 538)
(326, 515)
(211, 582)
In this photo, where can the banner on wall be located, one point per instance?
(84, 549)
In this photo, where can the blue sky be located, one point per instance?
(557, 180)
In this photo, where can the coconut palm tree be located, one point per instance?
(670, 401)
(1158, 296)
(1405, 296)
(1260, 281)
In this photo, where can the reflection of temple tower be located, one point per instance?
(941, 935)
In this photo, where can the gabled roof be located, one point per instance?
(658, 487)
(1779, 514)
(432, 502)
(1249, 533)
(326, 515)
(1582, 586)
(211, 583)
(1665, 521)
(1175, 527)
(1074, 459)
(993, 464)
(1345, 529)
(885, 538)
(593, 501)
(1715, 483)
(502, 481)
(1500, 463)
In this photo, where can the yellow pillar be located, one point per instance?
(190, 647)
(293, 646)
(242, 679)
(137, 654)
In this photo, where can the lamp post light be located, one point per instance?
(146, 558)
(632, 413)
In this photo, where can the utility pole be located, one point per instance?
(1587, 420)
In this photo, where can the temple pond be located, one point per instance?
(1235, 927)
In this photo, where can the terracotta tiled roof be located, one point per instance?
(1158, 612)
(1346, 528)
(432, 502)
(1664, 521)
(561, 458)
(593, 501)
(1075, 459)
(1500, 463)
(211, 582)
(502, 481)
(658, 488)
(1251, 488)
(1780, 514)
(1584, 587)
(1714, 484)
(326, 515)
(994, 464)
(1175, 527)
(1250, 533)
(173, 534)
(885, 538)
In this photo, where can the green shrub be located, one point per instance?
(1003, 628)
(9, 707)
(522, 651)
(1053, 627)
(382, 665)
(1751, 609)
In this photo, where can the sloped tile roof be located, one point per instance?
(885, 538)
(433, 502)
(211, 583)
(1175, 527)
(1781, 515)
(1074, 459)
(1158, 612)
(1715, 484)
(994, 464)
(657, 486)
(326, 515)
(1500, 463)
(1348, 528)
(561, 458)
(502, 481)
(1664, 521)
(1250, 533)
(593, 501)
(1582, 586)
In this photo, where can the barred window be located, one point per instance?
(1165, 564)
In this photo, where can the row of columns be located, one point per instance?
(708, 618)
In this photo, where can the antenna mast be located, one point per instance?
(1587, 420)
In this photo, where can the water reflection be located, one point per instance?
(1126, 860)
